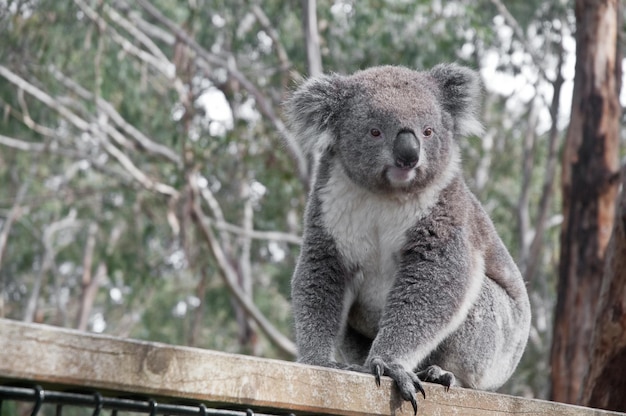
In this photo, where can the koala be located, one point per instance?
(401, 272)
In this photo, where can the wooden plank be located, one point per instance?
(58, 356)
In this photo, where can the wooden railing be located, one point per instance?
(62, 358)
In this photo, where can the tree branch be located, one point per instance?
(136, 33)
(28, 121)
(165, 67)
(220, 223)
(549, 176)
(311, 36)
(267, 25)
(130, 167)
(528, 163)
(22, 145)
(262, 102)
(44, 98)
(246, 242)
(14, 214)
(88, 281)
(98, 133)
(106, 107)
(539, 61)
(48, 260)
(230, 276)
(257, 235)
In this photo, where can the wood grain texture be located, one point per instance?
(68, 358)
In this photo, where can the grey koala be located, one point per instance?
(401, 272)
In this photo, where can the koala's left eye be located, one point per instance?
(375, 132)
(428, 131)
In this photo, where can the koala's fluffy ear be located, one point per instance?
(311, 110)
(460, 95)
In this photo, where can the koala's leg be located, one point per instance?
(484, 351)
(319, 298)
(317, 301)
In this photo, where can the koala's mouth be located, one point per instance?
(400, 176)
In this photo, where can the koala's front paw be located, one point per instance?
(407, 381)
(436, 374)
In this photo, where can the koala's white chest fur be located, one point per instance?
(369, 230)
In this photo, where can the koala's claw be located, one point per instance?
(378, 372)
(436, 374)
(418, 386)
(414, 404)
(407, 381)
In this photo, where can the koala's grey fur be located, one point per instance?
(401, 270)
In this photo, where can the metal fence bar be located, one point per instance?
(39, 396)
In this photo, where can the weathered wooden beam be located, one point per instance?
(57, 356)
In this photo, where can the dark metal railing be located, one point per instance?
(99, 403)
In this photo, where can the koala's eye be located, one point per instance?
(375, 132)
(428, 131)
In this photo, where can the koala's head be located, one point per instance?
(390, 127)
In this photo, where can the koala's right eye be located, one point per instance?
(375, 132)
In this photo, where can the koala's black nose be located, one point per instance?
(406, 150)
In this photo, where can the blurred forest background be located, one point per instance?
(149, 188)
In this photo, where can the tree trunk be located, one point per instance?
(606, 382)
(590, 184)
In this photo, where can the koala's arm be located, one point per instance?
(435, 286)
(318, 288)
(437, 282)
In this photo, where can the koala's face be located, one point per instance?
(392, 129)
(393, 133)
